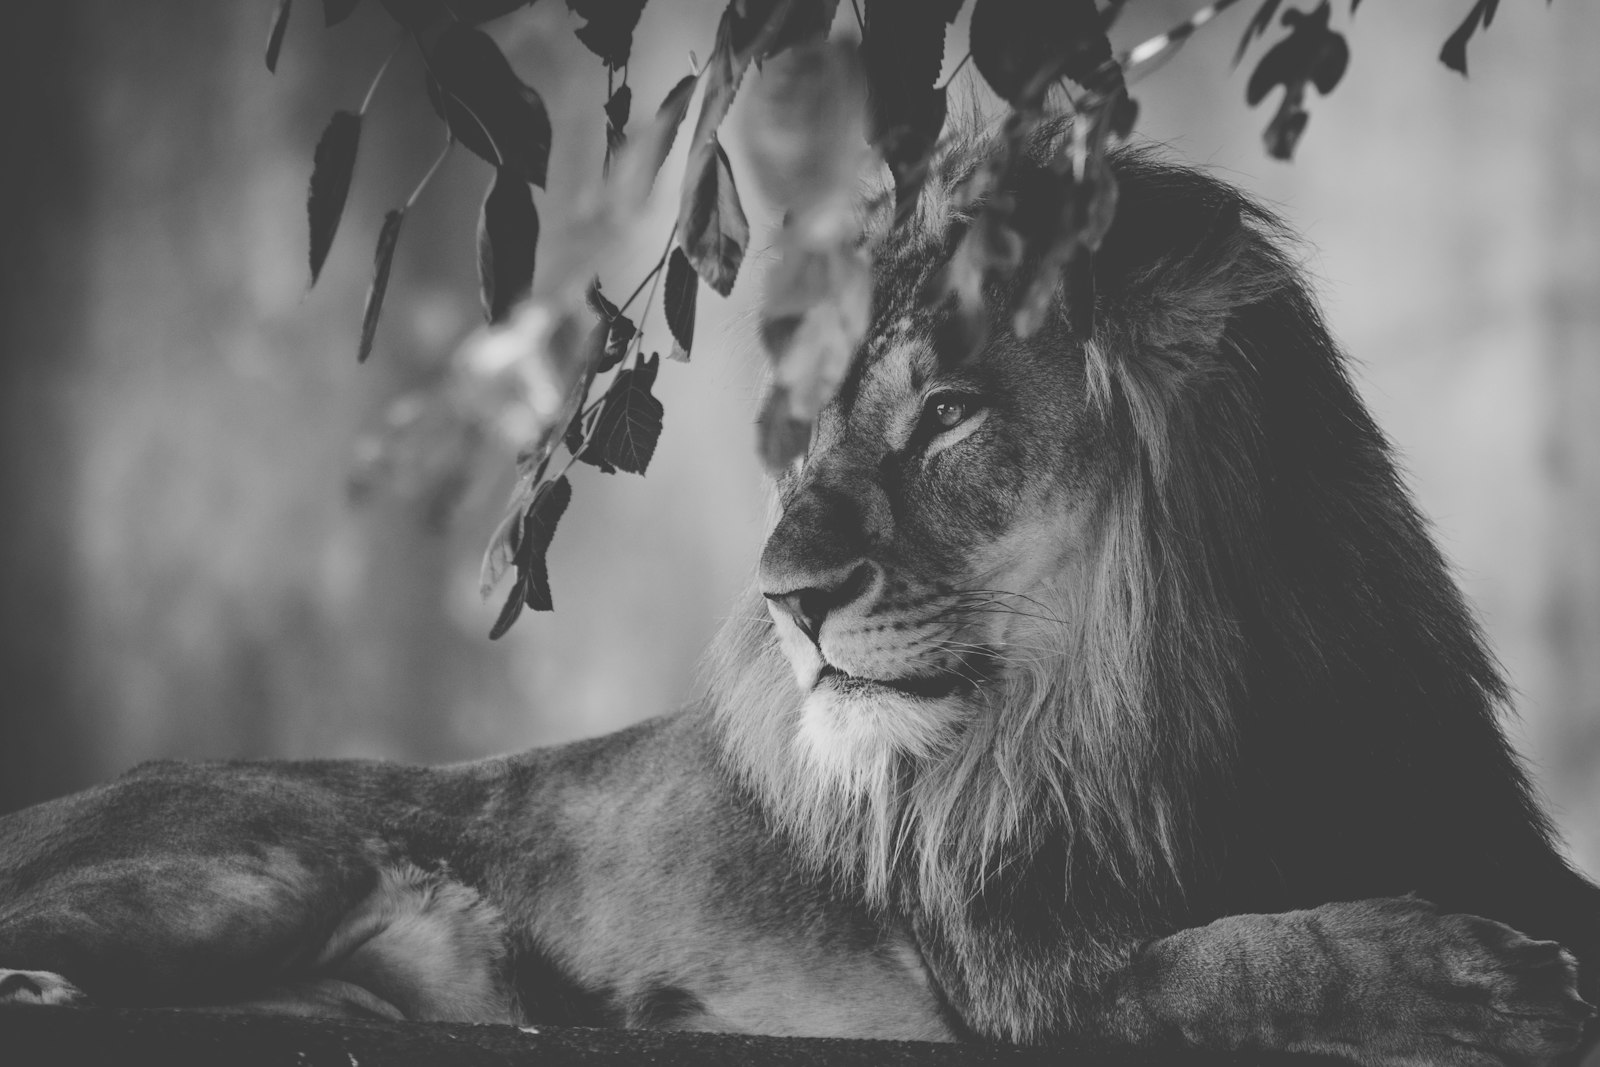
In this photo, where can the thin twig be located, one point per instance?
(366, 101)
(953, 73)
(611, 91)
(1147, 50)
(428, 177)
(662, 262)
(644, 316)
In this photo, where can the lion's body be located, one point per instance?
(630, 884)
(1133, 638)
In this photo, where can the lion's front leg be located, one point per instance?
(1389, 981)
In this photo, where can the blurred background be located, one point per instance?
(185, 574)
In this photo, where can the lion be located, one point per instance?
(1110, 691)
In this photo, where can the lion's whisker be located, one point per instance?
(991, 597)
(1005, 593)
(963, 612)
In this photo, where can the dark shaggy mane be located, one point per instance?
(1274, 694)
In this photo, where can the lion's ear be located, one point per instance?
(1184, 255)
(1180, 296)
(1186, 260)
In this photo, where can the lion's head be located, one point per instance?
(1038, 602)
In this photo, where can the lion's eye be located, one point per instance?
(947, 412)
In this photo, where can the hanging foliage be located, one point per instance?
(560, 364)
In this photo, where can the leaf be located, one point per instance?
(722, 73)
(1080, 195)
(782, 437)
(908, 150)
(712, 229)
(817, 309)
(573, 438)
(1284, 131)
(1311, 54)
(382, 260)
(485, 104)
(987, 189)
(617, 341)
(620, 329)
(634, 170)
(596, 299)
(903, 53)
(280, 23)
(1259, 24)
(576, 440)
(683, 285)
(991, 248)
(538, 528)
(1122, 111)
(508, 237)
(804, 21)
(1082, 210)
(629, 422)
(740, 38)
(1021, 46)
(805, 132)
(525, 378)
(336, 11)
(528, 535)
(806, 141)
(1454, 52)
(608, 32)
(511, 611)
(1040, 223)
(617, 108)
(763, 28)
(332, 166)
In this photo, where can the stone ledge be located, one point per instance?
(34, 1035)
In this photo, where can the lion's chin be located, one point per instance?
(852, 729)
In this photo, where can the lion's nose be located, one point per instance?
(808, 607)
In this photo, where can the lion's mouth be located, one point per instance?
(928, 688)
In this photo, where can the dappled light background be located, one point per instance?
(185, 574)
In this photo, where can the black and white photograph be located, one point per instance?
(799, 532)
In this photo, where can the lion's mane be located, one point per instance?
(1266, 690)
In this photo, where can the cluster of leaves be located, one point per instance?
(1052, 223)
(1313, 53)
(484, 106)
(824, 114)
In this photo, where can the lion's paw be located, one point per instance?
(1524, 992)
(1465, 990)
(38, 987)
